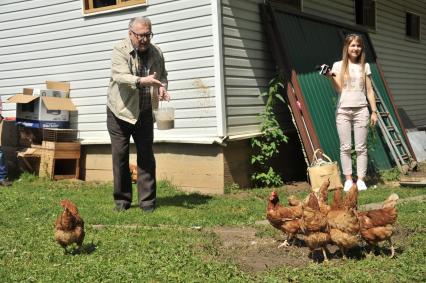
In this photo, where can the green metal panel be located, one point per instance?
(309, 43)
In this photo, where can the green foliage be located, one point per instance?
(390, 175)
(231, 188)
(266, 146)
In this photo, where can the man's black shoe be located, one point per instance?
(148, 209)
(5, 183)
(121, 207)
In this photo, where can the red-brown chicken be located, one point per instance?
(343, 221)
(322, 196)
(133, 173)
(286, 219)
(315, 227)
(377, 224)
(69, 227)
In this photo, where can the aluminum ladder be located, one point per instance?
(394, 140)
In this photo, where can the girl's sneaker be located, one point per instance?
(361, 185)
(348, 185)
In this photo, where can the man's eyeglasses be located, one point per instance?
(148, 35)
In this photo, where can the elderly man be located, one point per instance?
(138, 81)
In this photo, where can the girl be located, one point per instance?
(351, 79)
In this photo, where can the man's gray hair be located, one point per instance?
(143, 20)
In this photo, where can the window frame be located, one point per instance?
(121, 5)
(419, 26)
(363, 24)
(280, 3)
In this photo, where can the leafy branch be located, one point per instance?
(266, 146)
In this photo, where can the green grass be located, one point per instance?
(163, 246)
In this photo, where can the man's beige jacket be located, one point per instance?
(123, 94)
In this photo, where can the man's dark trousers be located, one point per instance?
(143, 136)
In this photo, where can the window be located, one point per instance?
(365, 13)
(94, 6)
(412, 26)
(297, 4)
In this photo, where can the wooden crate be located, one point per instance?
(60, 160)
(60, 135)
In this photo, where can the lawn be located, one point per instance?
(189, 238)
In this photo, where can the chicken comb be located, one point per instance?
(274, 194)
(67, 204)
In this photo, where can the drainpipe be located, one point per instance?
(219, 77)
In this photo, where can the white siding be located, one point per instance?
(51, 40)
(248, 65)
(403, 61)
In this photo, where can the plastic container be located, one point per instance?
(165, 118)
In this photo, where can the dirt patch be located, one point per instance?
(378, 205)
(291, 188)
(254, 254)
(297, 187)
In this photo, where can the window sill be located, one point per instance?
(413, 40)
(113, 10)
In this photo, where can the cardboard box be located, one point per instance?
(37, 111)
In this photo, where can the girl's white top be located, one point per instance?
(354, 90)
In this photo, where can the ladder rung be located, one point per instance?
(405, 156)
(384, 114)
(390, 128)
(398, 142)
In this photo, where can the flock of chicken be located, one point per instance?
(339, 223)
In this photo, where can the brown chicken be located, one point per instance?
(322, 196)
(343, 221)
(286, 219)
(315, 227)
(133, 172)
(377, 224)
(69, 227)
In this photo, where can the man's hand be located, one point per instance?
(150, 81)
(163, 94)
(1, 118)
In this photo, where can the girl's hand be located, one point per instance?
(373, 119)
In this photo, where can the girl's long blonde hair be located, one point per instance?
(344, 72)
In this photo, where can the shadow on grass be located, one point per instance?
(184, 200)
(85, 249)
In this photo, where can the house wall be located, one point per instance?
(248, 66)
(52, 40)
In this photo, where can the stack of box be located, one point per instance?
(46, 112)
(46, 108)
